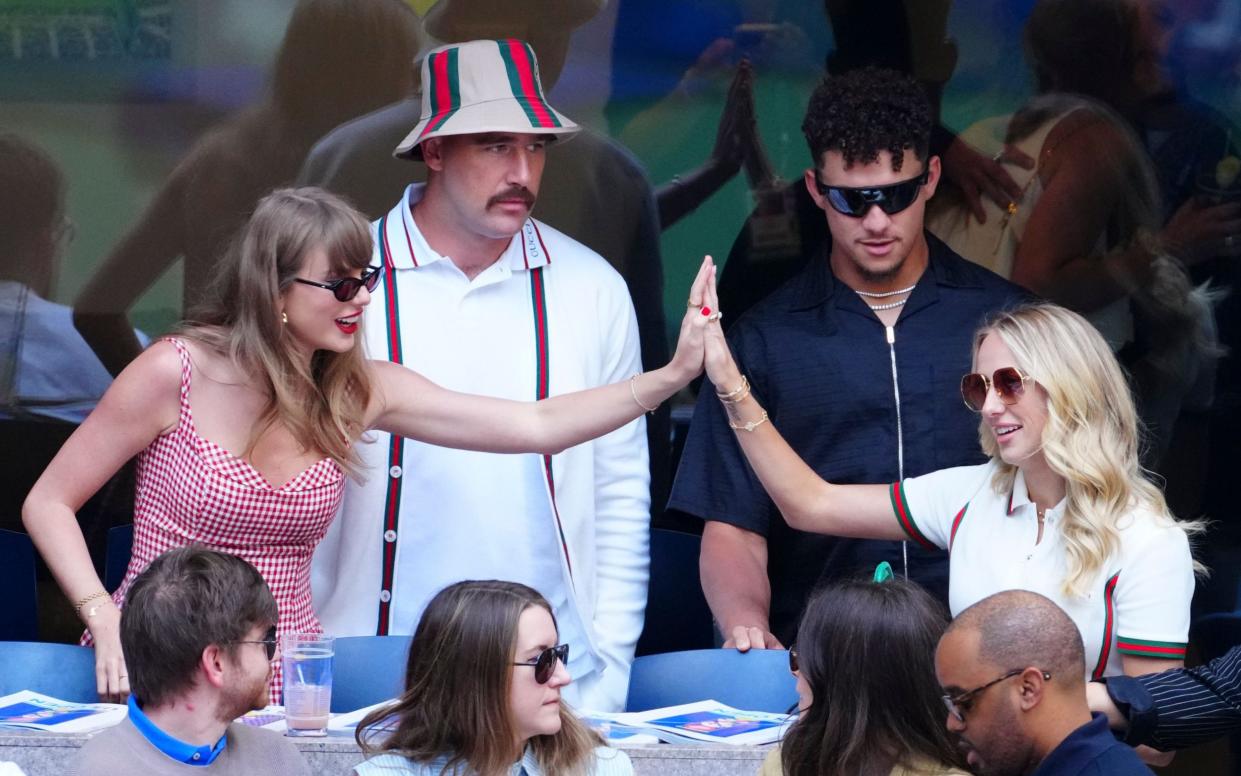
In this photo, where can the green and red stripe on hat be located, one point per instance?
(482, 86)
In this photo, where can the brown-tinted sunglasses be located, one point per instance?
(1009, 384)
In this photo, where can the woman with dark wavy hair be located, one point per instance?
(870, 706)
(482, 694)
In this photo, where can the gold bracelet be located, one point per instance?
(726, 397)
(748, 425)
(745, 391)
(87, 599)
(633, 391)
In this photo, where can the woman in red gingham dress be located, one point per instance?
(280, 395)
(189, 489)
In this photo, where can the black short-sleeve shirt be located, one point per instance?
(818, 360)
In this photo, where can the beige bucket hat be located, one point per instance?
(482, 86)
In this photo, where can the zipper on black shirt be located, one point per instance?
(890, 335)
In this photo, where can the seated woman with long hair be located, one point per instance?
(870, 706)
(244, 422)
(1063, 508)
(482, 695)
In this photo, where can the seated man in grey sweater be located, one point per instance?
(199, 633)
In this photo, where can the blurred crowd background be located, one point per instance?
(157, 124)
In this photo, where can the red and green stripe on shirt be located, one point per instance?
(1169, 650)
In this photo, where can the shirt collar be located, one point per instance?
(174, 748)
(528, 765)
(408, 249)
(1020, 497)
(820, 285)
(1082, 746)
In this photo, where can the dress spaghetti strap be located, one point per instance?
(186, 370)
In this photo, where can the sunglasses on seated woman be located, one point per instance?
(1009, 384)
(347, 288)
(545, 663)
(891, 199)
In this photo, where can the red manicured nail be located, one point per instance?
(706, 310)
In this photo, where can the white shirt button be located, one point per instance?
(395, 472)
(389, 536)
(385, 595)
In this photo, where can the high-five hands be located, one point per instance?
(718, 359)
(701, 316)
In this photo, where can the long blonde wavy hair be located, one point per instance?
(322, 404)
(1091, 437)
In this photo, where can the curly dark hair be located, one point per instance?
(866, 111)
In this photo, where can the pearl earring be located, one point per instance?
(284, 317)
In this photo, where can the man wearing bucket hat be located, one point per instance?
(593, 189)
(482, 87)
(481, 297)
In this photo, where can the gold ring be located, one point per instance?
(714, 317)
(690, 304)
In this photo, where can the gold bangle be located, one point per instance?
(727, 398)
(87, 599)
(633, 391)
(738, 400)
(749, 425)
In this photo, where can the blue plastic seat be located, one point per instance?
(367, 670)
(19, 617)
(64, 671)
(116, 561)
(758, 680)
(677, 616)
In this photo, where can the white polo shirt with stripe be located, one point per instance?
(1137, 605)
(549, 315)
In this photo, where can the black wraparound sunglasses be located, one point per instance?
(856, 202)
(545, 663)
(345, 289)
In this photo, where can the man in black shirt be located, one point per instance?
(857, 360)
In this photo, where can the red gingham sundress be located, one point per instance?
(189, 489)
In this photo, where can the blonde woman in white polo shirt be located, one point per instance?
(1063, 508)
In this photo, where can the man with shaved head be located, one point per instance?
(1013, 671)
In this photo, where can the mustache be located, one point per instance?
(517, 192)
